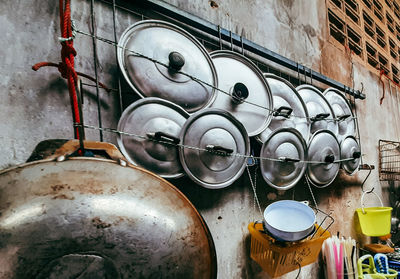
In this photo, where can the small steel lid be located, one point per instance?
(324, 148)
(349, 148)
(290, 110)
(247, 95)
(319, 110)
(153, 119)
(178, 51)
(288, 145)
(343, 112)
(223, 136)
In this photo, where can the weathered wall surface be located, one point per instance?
(35, 105)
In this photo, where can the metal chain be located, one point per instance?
(199, 148)
(135, 53)
(254, 190)
(312, 194)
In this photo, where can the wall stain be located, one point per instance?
(213, 4)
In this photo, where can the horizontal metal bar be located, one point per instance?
(212, 29)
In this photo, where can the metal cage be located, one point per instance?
(389, 160)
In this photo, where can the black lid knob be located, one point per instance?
(176, 60)
(356, 154)
(329, 158)
(240, 92)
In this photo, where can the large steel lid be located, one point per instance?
(343, 112)
(93, 218)
(320, 112)
(178, 51)
(290, 110)
(213, 138)
(350, 149)
(246, 94)
(323, 151)
(287, 145)
(153, 120)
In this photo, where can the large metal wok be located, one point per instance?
(98, 218)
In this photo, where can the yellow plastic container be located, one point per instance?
(374, 221)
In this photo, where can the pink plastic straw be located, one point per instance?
(340, 274)
(336, 259)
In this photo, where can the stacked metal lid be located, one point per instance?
(199, 110)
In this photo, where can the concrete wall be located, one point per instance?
(35, 105)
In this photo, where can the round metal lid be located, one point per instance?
(249, 99)
(288, 145)
(349, 148)
(153, 119)
(319, 110)
(223, 136)
(343, 112)
(324, 148)
(291, 111)
(178, 51)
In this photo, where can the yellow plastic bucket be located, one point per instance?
(374, 221)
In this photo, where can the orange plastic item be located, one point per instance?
(378, 248)
(277, 258)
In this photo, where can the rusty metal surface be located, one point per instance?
(92, 218)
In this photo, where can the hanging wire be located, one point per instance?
(312, 194)
(137, 54)
(180, 145)
(254, 190)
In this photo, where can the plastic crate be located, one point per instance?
(394, 265)
(277, 258)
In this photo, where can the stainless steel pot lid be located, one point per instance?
(343, 112)
(153, 119)
(320, 112)
(247, 95)
(223, 136)
(172, 46)
(349, 148)
(291, 111)
(288, 145)
(324, 148)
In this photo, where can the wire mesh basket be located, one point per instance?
(389, 160)
(277, 258)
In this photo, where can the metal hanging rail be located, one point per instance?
(235, 39)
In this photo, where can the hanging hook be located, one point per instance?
(362, 184)
(220, 37)
(298, 73)
(241, 42)
(230, 36)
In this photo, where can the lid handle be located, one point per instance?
(329, 158)
(239, 93)
(356, 154)
(163, 136)
(320, 116)
(176, 60)
(343, 117)
(218, 148)
(283, 111)
(288, 159)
